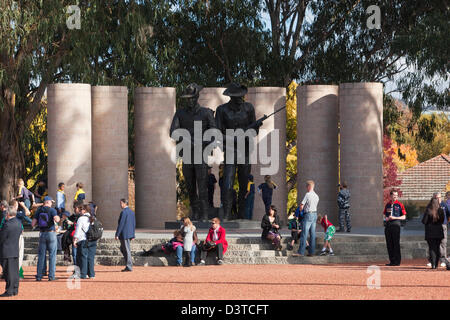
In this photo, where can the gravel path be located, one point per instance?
(412, 280)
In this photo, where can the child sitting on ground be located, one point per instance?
(295, 225)
(329, 230)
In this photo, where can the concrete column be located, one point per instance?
(69, 138)
(212, 98)
(361, 120)
(155, 171)
(266, 100)
(317, 145)
(109, 151)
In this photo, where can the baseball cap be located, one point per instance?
(48, 198)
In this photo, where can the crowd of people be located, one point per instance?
(76, 234)
(435, 218)
(187, 246)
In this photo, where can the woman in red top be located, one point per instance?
(215, 241)
(329, 230)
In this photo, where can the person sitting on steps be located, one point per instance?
(215, 242)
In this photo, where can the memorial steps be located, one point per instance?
(251, 250)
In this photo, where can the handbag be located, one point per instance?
(208, 245)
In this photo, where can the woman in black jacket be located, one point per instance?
(271, 225)
(433, 219)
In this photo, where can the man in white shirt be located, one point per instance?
(309, 205)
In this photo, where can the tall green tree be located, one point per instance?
(219, 41)
(113, 46)
(330, 41)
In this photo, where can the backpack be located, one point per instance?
(95, 230)
(45, 218)
(299, 214)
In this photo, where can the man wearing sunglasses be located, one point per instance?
(215, 242)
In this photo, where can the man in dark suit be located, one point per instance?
(9, 250)
(125, 233)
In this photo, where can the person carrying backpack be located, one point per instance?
(88, 231)
(45, 218)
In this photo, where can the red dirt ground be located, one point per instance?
(412, 280)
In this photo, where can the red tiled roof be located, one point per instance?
(422, 180)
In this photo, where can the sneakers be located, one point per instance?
(323, 253)
(202, 263)
(219, 262)
(429, 264)
(331, 254)
(443, 264)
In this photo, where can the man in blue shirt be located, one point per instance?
(45, 218)
(126, 232)
(60, 199)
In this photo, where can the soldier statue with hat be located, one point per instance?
(195, 175)
(236, 114)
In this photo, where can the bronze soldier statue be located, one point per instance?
(235, 114)
(195, 175)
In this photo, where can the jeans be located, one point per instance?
(47, 242)
(179, 252)
(249, 202)
(74, 255)
(92, 248)
(27, 220)
(125, 248)
(82, 258)
(443, 245)
(308, 227)
(27, 203)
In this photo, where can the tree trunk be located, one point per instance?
(11, 159)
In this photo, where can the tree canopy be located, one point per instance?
(175, 42)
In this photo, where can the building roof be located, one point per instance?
(422, 180)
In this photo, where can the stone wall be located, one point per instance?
(155, 171)
(361, 118)
(317, 145)
(109, 151)
(69, 139)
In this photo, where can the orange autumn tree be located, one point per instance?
(404, 157)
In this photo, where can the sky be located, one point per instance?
(389, 85)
